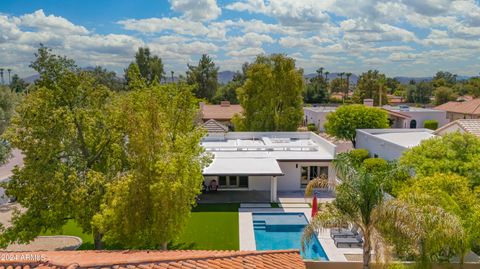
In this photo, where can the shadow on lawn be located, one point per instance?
(216, 207)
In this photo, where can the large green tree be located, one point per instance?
(204, 76)
(71, 150)
(316, 90)
(165, 168)
(271, 95)
(452, 153)
(8, 100)
(150, 66)
(361, 201)
(344, 122)
(444, 94)
(452, 193)
(370, 85)
(17, 84)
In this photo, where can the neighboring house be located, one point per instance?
(390, 144)
(267, 161)
(404, 116)
(395, 100)
(400, 116)
(461, 110)
(471, 126)
(142, 259)
(317, 115)
(222, 113)
(213, 126)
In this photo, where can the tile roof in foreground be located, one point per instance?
(275, 259)
(214, 126)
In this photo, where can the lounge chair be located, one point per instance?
(348, 242)
(342, 232)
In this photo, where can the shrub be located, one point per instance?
(375, 164)
(430, 124)
(357, 156)
(311, 127)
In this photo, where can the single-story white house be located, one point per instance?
(267, 161)
(390, 144)
(404, 116)
(400, 116)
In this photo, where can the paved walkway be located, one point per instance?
(259, 197)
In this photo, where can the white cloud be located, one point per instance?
(248, 52)
(252, 40)
(53, 23)
(198, 10)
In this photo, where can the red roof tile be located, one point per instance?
(220, 112)
(288, 259)
(471, 107)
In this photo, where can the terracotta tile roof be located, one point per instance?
(275, 259)
(214, 126)
(468, 125)
(220, 112)
(471, 107)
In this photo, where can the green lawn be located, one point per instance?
(212, 226)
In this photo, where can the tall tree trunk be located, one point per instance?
(164, 246)
(97, 241)
(367, 250)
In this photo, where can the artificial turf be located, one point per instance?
(210, 227)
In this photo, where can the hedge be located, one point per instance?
(430, 124)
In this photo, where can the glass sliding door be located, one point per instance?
(308, 173)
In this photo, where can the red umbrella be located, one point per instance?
(314, 205)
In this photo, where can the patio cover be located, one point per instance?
(243, 166)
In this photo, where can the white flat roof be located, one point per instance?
(407, 138)
(243, 166)
(321, 108)
(410, 109)
(277, 145)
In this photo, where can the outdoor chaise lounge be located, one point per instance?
(342, 232)
(348, 242)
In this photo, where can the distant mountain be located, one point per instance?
(332, 76)
(31, 79)
(225, 76)
(406, 80)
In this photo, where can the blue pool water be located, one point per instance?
(284, 231)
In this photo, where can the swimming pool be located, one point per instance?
(284, 231)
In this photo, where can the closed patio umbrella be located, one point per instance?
(314, 205)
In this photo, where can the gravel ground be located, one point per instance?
(49, 243)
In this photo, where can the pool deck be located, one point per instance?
(247, 236)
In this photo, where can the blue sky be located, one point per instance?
(398, 37)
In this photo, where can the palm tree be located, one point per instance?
(326, 76)
(348, 82)
(1, 75)
(361, 201)
(9, 71)
(341, 74)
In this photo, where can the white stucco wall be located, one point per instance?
(291, 180)
(379, 147)
(421, 117)
(259, 183)
(316, 117)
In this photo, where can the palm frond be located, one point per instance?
(316, 183)
(328, 217)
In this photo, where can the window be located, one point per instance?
(308, 173)
(233, 181)
(243, 182)
(222, 180)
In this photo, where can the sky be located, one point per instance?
(398, 37)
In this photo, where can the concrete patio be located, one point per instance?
(261, 197)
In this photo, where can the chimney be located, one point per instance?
(202, 105)
(368, 102)
(225, 103)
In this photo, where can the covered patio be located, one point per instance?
(262, 197)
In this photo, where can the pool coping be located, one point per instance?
(247, 236)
